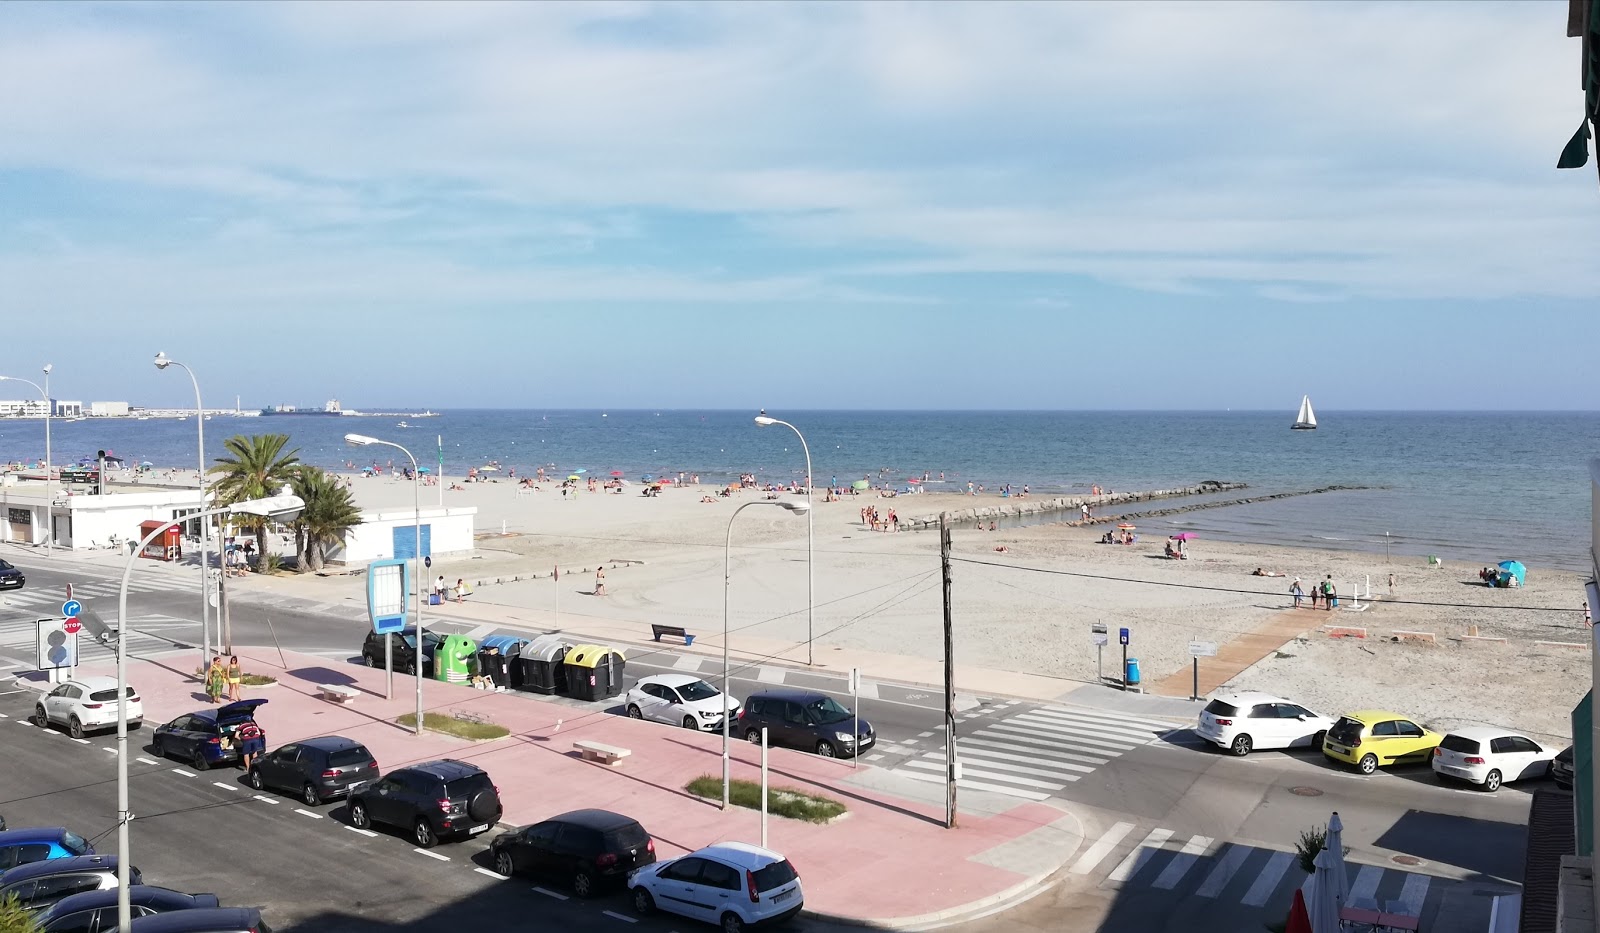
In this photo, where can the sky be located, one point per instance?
(820, 205)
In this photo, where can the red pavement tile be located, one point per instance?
(859, 866)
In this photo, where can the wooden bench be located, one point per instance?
(676, 631)
(335, 693)
(601, 752)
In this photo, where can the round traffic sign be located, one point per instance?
(71, 608)
(72, 626)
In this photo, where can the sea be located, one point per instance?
(1470, 486)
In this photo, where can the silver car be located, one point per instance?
(681, 700)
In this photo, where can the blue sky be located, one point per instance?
(808, 206)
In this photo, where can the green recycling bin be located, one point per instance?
(594, 672)
(454, 658)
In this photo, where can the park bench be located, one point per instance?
(601, 752)
(335, 693)
(676, 631)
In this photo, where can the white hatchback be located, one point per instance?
(1242, 722)
(731, 884)
(681, 700)
(1489, 756)
(86, 704)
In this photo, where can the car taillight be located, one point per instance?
(93, 705)
(444, 804)
(1355, 742)
(213, 741)
(331, 773)
(1474, 760)
(605, 860)
(1224, 722)
(649, 845)
(750, 884)
(740, 717)
(1438, 752)
(373, 765)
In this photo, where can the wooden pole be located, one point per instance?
(949, 678)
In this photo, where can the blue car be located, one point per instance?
(10, 577)
(23, 846)
(38, 885)
(97, 910)
(212, 736)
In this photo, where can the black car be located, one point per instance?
(317, 769)
(38, 885)
(804, 719)
(203, 920)
(405, 650)
(432, 800)
(586, 847)
(212, 736)
(10, 577)
(1561, 769)
(95, 911)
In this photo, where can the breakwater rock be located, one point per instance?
(1017, 508)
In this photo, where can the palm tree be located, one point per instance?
(330, 513)
(258, 468)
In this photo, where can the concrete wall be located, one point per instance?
(84, 521)
(108, 409)
(451, 532)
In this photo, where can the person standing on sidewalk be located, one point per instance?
(235, 679)
(1298, 593)
(216, 680)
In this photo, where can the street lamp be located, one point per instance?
(49, 409)
(727, 573)
(281, 507)
(362, 440)
(811, 536)
(162, 361)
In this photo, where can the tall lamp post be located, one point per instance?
(49, 494)
(811, 537)
(727, 574)
(362, 440)
(281, 507)
(162, 361)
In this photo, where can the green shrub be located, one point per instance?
(13, 919)
(781, 801)
(451, 725)
(1312, 841)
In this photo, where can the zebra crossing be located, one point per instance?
(1038, 752)
(45, 602)
(148, 634)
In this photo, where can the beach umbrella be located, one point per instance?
(1323, 911)
(1512, 568)
(616, 472)
(1338, 875)
(1185, 536)
(1126, 527)
(860, 484)
(146, 463)
(573, 478)
(647, 478)
(580, 470)
(1299, 920)
(490, 468)
(423, 470)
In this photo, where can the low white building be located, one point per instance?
(83, 521)
(386, 535)
(108, 409)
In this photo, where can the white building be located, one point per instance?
(36, 407)
(385, 535)
(84, 521)
(108, 409)
(68, 409)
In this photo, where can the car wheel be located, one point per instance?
(310, 796)
(826, 750)
(643, 903)
(372, 662)
(1318, 739)
(136, 725)
(1367, 764)
(689, 723)
(158, 747)
(358, 816)
(255, 780)
(1491, 781)
(1241, 745)
(39, 718)
(753, 736)
(422, 833)
(75, 728)
(732, 923)
(199, 760)
(634, 712)
(583, 883)
(503, 864)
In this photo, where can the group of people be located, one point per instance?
(1324, 592)
(442, 592)
(871, 518)
(1125, 536)
(224, 680)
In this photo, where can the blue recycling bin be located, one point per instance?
(1131, 675)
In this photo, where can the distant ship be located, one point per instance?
(1306, 420)
(332, 407)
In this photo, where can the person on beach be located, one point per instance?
(1316, 595)
(1085, 509)
(1298, 593)
(216, 680)
(235, 679)
(969, 489)
(600, 581)
(1330, 594)
(462, 590)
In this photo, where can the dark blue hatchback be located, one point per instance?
(10, 577)
(212, 736)
(24, 846)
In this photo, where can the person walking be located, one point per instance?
(1298, 593)
(216, 680)
(1316, 595)
(235, 679)
(600, 581)
(438, 591)
(1330, 594)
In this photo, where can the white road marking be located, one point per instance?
(924, 735)
(996, 775)
(977, 785)
(687, 662)
(1226, 868)
(967, 751)
(4, 716)
(109, 749)
(442, 858)
(1013, 702)
(81, 741)
(1182, 862)
(365, 832)
(482, 630)
(148, 761)
(1101, 848)
(1141, 854)
(770, 675)
(315, 816)
(1037, 753)
(184, 773)
(1413, 894)
(1087, 730)
(1268, 881)
(493, 874)
(224, 786)
(1111, 716)
(873, 757)
(549, 893)
(1065, 732)
(623, 917)
(1365, 887)
(266, 799)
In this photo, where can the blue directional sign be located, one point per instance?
(388, 584)
(71, 608)
(1122, 635)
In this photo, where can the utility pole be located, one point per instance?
(950, 765)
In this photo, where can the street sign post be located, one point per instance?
(72, 626)
(388, 585)
(855, 704)
(1198, 650)
(1099, 638)
(71, 608)
(1122, 636)
(57, 647)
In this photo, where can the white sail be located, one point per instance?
(1307, 418)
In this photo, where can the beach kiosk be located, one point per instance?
(168, 545)
(453, 659)
(511, 651)
(594, 672)
(543, 667)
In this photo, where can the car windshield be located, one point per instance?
(1346, 730)
(775, 875)
(825, 710)
(468, 785)
(1457, 743)
(631, 836)
(1219, 708)
(106, 696)
(697, 690)
(345, 757)
(74, 843)
(5, 566)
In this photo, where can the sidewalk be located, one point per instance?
(859, 868)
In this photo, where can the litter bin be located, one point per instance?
(452, 660)
(541, 663)
(1131, 675)
(511, 651)
(594, 672)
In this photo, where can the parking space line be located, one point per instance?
(365, 832)
(442, 858)
(184, 773)
(224, 786)
(266, 799)
(316, 816)
(623, 917)
(4, 716)
(23, 722)
(81, 741)
(109, 749)
(549, 893)
(149, 761)
(493, 874)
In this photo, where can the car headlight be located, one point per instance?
(844, 736)
(707, 714)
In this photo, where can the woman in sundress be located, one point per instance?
(235, 679)
(216, 680)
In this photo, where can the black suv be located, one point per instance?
(37, 885)
(586, 847)
(804, 719)
(317, 769)
(433, 800)
(405, 650)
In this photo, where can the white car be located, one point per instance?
(1489, 757)
(1242, 722)
(86, 704)
(731, 884)
(681, 700)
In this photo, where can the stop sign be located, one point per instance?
(72, 626)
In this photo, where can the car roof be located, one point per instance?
(203, 920)
(446, 768)
(1250, 696)
(601, 820)
(1479, 733)
(670, 680)
(329, 743)
(137, 894)
(13, 837)
(1370, 716)
(59, 866)
(741, 854)
(799, 695)
(96, 683)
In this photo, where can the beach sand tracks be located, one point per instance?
(1242, 652)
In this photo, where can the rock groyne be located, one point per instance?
(1018, 508)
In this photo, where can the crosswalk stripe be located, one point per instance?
(1095, 743)
(1101, 848)
(1267, 882)
(979, 785)
(1365, 887)
(687, 662)
(995, 775)
(1141, 854)
(1182, 862)
(1413, 894)
(1001, 760)
(1155, 723)
(1104, 722)
(770, 675)
(1110, 733)
(1032, 748)
(983, 752)
(1226, 868)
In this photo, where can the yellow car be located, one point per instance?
(1371, 738)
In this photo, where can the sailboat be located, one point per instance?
(1307, 419)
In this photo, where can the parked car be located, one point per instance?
(1242, 722)
(40, 884)
(317, 769)
(1490, 756)
(432, 800)
(211, 736)
(405, 650)
(96, 911)
(203, 920)
(682, 700)
(11, 578)
(2, 823)
(24, 846)
(1371, 738)
(1561, 768)
(804, 719)
(731, 884)
(588, 848)
(87, 703)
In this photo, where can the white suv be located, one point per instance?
(731, 884)
(85, 704)
(1240, 722)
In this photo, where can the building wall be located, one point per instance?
(108, 409)
(83, 521)
(68, 409)
(450, 530)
